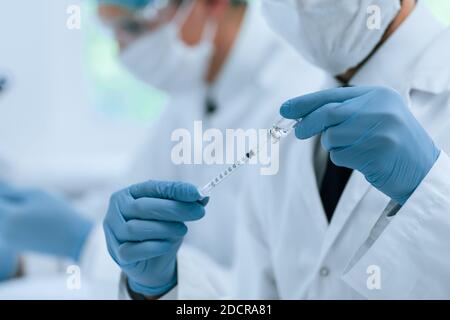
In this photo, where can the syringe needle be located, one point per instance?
(279, 130)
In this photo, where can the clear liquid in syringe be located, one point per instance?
(279, 130)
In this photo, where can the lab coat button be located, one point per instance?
(324, 272)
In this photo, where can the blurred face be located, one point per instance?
(170, 47)
(129, 25)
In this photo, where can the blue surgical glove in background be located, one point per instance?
(369, 129)
(32, 220)
(144, 228)
(9, 263)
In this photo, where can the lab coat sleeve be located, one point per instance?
(126, 294)
(253, 276)
(199, 277)
(95, 262)
(410, 257)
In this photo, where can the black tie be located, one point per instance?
(333, 184)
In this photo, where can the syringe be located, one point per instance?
(279, 130)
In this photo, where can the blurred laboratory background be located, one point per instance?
(72, 118)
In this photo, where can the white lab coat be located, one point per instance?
(286, 249)
(256, 78)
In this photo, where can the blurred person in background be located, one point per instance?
(215, 59)
(33, 220)
(360, 208)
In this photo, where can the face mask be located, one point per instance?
(333, 35)
(163, 60)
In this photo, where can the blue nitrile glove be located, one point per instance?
(144, 228)
(369, 129)
(9, 263)
(32, 220)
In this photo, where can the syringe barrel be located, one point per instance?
(206, 189)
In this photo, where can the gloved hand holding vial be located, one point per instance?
(278, 131)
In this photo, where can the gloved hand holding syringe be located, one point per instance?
(279, 130)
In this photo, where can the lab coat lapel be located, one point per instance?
(423, 77)
(357, 187)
